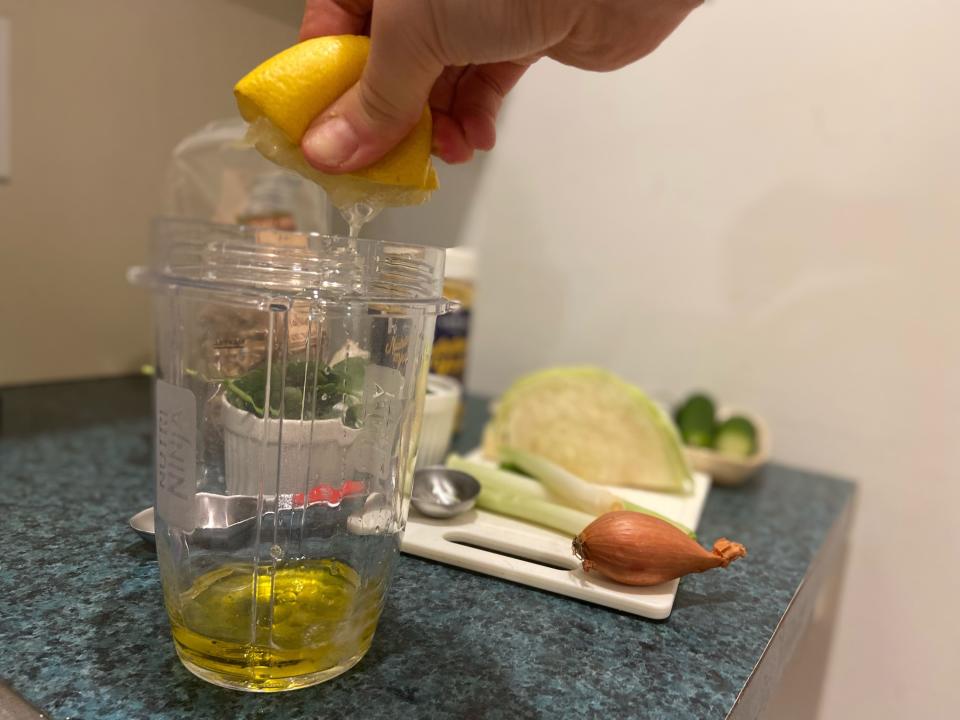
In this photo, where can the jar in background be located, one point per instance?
(214, 175)
(453, 329)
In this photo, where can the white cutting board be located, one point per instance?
(524, 553)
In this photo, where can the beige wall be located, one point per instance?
(102, 90)
(767, 207)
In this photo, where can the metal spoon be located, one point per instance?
(440, 492)
(227, 520)
(220, 518)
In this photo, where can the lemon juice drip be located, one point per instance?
(359, 214)
(323, 621)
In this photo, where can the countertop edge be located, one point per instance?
(766, 674)
(13, 706)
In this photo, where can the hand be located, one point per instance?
(463, 57)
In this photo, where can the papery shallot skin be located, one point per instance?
(637, 549)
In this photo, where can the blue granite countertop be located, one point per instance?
(84, 633)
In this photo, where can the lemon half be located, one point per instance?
(283, 95)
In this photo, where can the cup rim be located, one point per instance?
(270, 264)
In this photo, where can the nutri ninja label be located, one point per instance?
(176, 457)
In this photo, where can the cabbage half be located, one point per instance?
(595, 425)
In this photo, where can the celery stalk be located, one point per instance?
(564, 484)
(540, 512)
(501, 481)
(509, 493)
(575, 492)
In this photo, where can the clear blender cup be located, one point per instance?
(291, 374)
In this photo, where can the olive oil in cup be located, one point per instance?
(320, 623)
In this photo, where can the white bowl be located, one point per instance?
(440, 409)
(321, 448)
(727, 470)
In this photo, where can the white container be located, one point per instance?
(460, 264)
(323, 455)
(439, 419)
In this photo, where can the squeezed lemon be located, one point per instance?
(283, 95)
(306, 622)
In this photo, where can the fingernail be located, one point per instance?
(331, 143)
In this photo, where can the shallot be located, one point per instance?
(637, 549)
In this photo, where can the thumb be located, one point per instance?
(373, 116)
